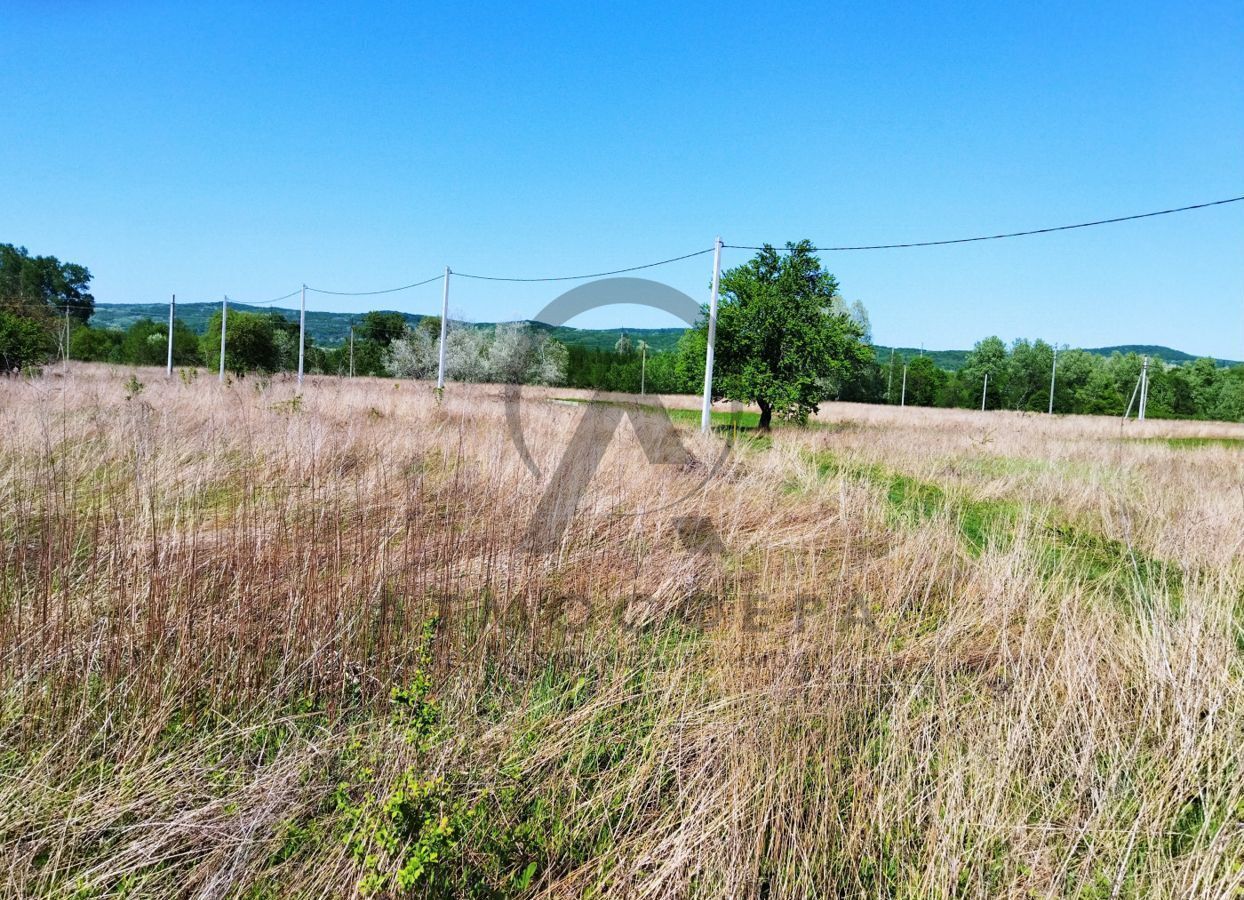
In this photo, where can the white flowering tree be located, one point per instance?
(413, 355)
(514, 353)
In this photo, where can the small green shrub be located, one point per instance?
(408, 838)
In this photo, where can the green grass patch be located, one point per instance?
(1194, 443)
(911, 501)
(741, 419)
(739, 426)
(1066, 551)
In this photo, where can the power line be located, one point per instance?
(237, 302)
(404, 287)
(995, 237)
(673, 259)
(592, 275)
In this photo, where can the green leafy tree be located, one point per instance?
(1202, 377)
(1075, 367)
(383, 328)
(431, 326)
(1230, 394)
(689, 361)
(97, 344)
(1027, 378)
(24, 342)
(28, 282)
(867, 384)
(250, 342)
(781, 344)
(988, 356)
(1100, 395)
(893, 378)
(924, 382)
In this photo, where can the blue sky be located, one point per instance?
(247, 148)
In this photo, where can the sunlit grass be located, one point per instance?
(257, 648)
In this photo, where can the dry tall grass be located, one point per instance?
(933, 653)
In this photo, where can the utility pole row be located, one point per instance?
(706, 412)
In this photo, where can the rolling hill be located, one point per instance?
(331, 329)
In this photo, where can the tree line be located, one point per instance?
(40, 297)
(1019, 379)
(1084, 383)
(786, 341)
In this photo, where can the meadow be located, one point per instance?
(260, 643)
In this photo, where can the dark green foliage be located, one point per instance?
(24, 342)
(145, 343)
(37, 296)
(381, 327)
(954, 360)
(264, 342)
(925, 382)
(608, 370)
(784, 341)
(27, 280)
(1087, 383)
(97, 344)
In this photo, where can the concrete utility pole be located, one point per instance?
(983, 391)
(65, 355)
(302, 333)
(706, 414)
(1131, 402)
(1144, 389)
(903, 402)
(351, 349)
(1053, 375)
(224, 316)
(643, 365)
(440, 369)
(172, 311)
(889, 385)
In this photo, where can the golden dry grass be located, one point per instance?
(935, 653)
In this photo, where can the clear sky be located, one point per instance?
(247, 148)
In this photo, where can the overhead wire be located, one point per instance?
(651, 265)
(234, 300)
(1012, 234)
(674, 259)
(404, 287)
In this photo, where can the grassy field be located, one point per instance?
(256, 644)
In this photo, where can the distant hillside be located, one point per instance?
(950, 360)
(1164, 353)
(332, 329)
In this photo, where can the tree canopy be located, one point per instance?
(35, 292)
(28, 282)
(785, 340)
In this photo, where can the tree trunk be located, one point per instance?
(766, 415)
